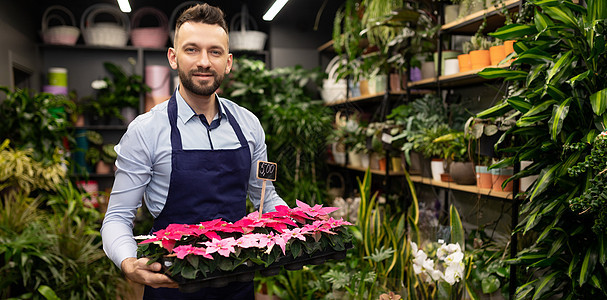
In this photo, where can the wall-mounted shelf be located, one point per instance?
(464, 188)
(376, 97)
(457, 79)
(469, 24)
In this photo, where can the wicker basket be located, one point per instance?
(63, 34)
(150, 37)
(244, 39)
(176, 13)
(105, 33)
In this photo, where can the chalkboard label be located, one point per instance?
(266, 170)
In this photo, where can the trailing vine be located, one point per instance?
(593, 201)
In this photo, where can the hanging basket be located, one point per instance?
(149, 37)
(64, 34)
(241, 37)
(176, 13)
(105, 33)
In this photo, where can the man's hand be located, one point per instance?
(139, 271)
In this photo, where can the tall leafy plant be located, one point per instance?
(561, 59)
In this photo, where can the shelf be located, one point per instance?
(104, 127)
(469, 24)
(464, 188)
(457, 79)
(375, 97)
(104, 48)
(373, 171)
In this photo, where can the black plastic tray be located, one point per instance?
(246, 271)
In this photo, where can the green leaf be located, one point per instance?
(559, 70)
(492, 73)
(457, 229)
(555, 93)
(545, 285)
(296, 249)
(534, 56)
(189, 272)
(588, 265)
(490, 284)
(542, 22)
(519, 104)
(544, 180)
(48, 293)
(598, 101)
(538, 108)
(493, 111)
(559, 113)
(602, 249)
(513, 31)
(562, 14)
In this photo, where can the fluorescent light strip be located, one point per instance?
(274, 9)
(125, 7)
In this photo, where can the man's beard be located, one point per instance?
(201, 90)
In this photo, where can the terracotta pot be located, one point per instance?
(479, 59)
(382, 163)
(446, 177)
(483, 177)
(464, 62)
(364, 87)
(462, 173)
(496, 54)
(395, 82)
(509, 46)
(498, 176)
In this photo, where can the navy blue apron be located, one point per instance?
(205, 185)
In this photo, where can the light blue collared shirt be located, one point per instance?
(144, 166)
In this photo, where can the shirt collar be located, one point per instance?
(185, 112)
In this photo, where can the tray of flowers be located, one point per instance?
(215, 253)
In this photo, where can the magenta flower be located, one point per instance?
(295, 214)
(224, 246)
(183, 250)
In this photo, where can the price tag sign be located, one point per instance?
(266, 170)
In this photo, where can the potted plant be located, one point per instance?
(99, 155)
(458, 156)
(117, 96)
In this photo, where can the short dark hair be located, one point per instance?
(202, 13)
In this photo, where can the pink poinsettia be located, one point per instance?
(247, 241)
(183, 250)
(316, 211)
(296, 233)
(296, 215)
(224, 246)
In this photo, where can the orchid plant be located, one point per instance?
(448, 267)
(191, 251)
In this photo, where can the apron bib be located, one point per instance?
(205, 185)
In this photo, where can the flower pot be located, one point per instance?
(496, 54)
(479, 59)
(451, 66)
(498, 176)
(364, 87)
(374, 161)
(464, 62)
(354, 159)
(396, 164)
(462, 172)
(437, 167)
(415, 74)
(339, 154)
(447, 54)
(509, 46)
(364, 161)
(483, 177)
(395, 82)
(428, 69)
(527, 181)
(382, 163)
(446, 177)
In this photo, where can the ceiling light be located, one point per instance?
(125, 7)
(274, 9)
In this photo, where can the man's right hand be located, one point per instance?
(139, 271)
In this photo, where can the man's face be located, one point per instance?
(201, 57)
